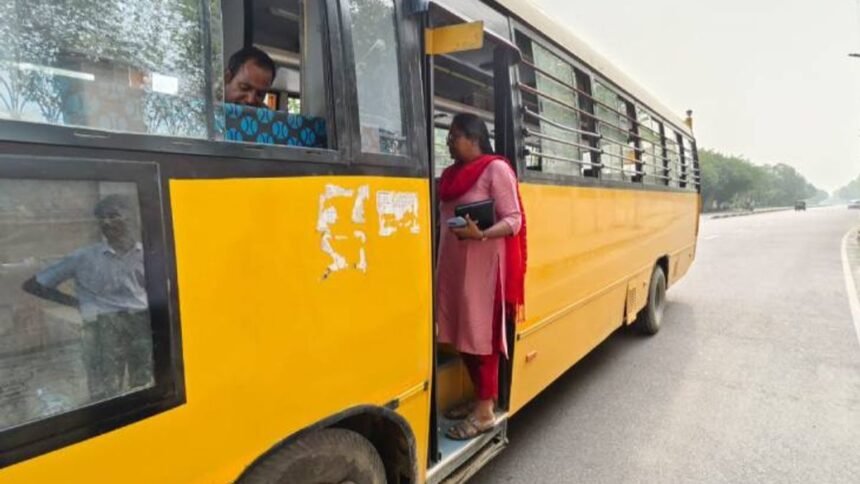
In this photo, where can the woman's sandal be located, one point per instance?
(469, 429)
(460, 411)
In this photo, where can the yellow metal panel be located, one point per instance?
(454, 38)
(273, 341)
(586, 245)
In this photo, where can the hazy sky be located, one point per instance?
(767, 79)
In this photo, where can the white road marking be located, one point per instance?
(850, 284)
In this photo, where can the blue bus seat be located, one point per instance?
(250, 124)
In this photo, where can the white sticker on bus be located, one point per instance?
(332, 232)
(397, 210)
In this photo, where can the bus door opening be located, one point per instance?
(464, 82)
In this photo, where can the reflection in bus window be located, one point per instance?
(275, 89)
(104, 65)
(374, 44)
(74, 314)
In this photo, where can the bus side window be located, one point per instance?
(557, 113)
(291, 107)
(377, 73)
(86, 340)
(651, 151)
(86, 64)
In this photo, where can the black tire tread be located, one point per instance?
(328, 455)
(646, 322)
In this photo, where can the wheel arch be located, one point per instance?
(663, 263)
(390, 434)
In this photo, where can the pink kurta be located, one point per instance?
(468, 269)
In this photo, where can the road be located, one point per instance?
(754, 377)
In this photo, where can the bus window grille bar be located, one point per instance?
(530, 64)
(621, 143)
(531, 90)
(538, 134)
(570, 107)
(624, 130)
(540, 154)
(575, 89)
(561, 126)
(621, 157)
(654, 165)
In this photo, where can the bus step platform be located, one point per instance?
(461, 459)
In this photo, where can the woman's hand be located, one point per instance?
(470, 231)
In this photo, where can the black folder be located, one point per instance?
(483, 212)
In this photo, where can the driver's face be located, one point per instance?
(249, 85)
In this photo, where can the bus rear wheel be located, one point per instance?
(327, 456)
(649, 319)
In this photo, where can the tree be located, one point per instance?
(849, 191)
(735, 181)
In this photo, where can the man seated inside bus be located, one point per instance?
(110, 295)
(248, 77)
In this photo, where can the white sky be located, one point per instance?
(767, 79)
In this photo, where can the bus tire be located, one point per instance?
(651, 316)
(328, 455)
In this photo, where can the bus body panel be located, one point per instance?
(586, 245)
(274, 337)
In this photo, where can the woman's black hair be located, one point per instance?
(473, 128)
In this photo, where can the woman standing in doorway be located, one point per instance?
(480, 272)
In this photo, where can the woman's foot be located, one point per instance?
(470, 428)
(460, 411)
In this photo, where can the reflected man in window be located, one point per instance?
(250, 73)
(110, 293)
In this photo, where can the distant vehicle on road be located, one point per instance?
(800, 205)
(854, 203)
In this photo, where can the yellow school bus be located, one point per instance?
(197, 289)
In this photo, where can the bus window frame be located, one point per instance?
(411, 94)
(34, 438)
(533, 176)
(17, 131)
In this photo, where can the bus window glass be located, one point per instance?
(690, 171)
(374, 44)
(618, 157)
(274, 79)
(557, 112)
(552, 116)
(74, 313)
(652, 153)
(673, 158)
(130, 66)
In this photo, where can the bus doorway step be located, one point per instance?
(462, 459)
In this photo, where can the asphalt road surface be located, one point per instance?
(754, 377)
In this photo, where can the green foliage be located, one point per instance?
(849, 191)
(733, 181)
